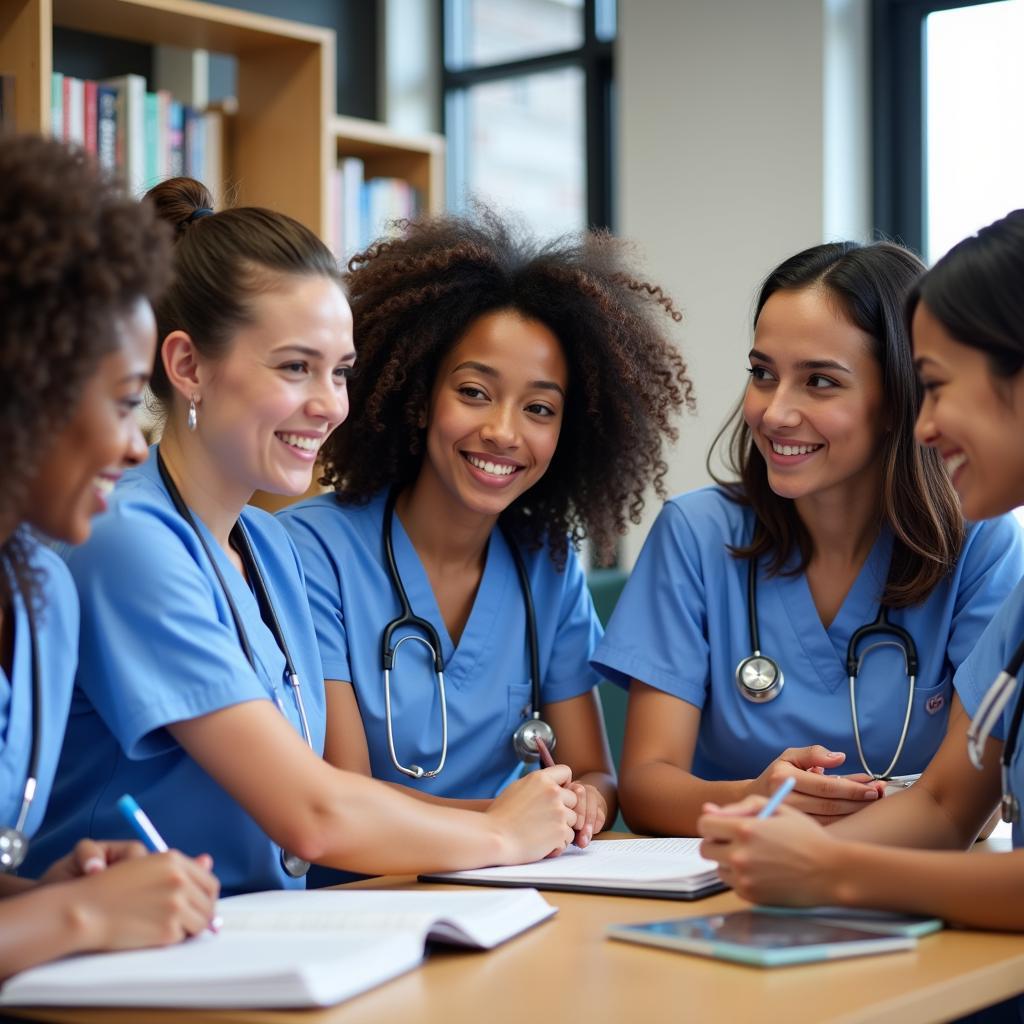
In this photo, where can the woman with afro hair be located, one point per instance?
(80, 263)
(511, 399)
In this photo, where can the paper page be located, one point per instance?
(614, 860)
(228, 970)
(481, 919)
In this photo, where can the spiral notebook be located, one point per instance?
(284, 949)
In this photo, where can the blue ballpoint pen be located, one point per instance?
(777, 797)
(141, 825)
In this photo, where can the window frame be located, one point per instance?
(595, 58)
(899, 124)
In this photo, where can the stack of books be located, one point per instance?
(140, 135)
(364, 209)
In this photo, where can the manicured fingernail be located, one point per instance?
(94, 865)
(871, 794)
(216, 924)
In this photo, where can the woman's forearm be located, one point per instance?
(968, 889)
(662, 799)
(39, 924)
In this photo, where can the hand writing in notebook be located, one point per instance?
(591, 809)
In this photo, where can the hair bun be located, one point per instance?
(181, 201)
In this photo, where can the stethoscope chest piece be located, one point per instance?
(13, 848)
(524, 739)
(759, 678)
(294, 867)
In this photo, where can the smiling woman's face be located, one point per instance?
(496, 411)
(100, 440)
(974, 420)
(814, 401)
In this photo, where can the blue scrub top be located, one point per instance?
(56, 620)
(681, 626)
(978, 673)
(487, 677)
(158, 645)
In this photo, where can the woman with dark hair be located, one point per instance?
(967, 316)
(512, 399)
(200, 686)
(79, 264)
(738, 630)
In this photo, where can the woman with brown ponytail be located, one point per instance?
(200, 689)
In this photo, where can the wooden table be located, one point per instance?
(566, 970)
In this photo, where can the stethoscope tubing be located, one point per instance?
(430, 639)
(881, 626)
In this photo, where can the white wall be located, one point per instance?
(743, 137)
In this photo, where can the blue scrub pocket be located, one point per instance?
(519, 707)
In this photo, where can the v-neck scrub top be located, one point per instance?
(978, 672)
(487, 676)
(55, 614)
(681, 626)
(158, 645)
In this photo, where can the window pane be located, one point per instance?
(524, 148)
(975, 95)
(495, 31)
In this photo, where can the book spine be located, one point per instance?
(57, 104)
(91, 117)
(74, 110)
(151, 131)
(106, 126)
(135, 133)
(176, 139)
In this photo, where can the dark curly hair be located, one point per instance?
(413, 298)
(75, 251)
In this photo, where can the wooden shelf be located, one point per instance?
(419, 159)
(279, 154)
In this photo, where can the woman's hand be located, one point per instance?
(91, 856)
(536, 815)
(785, 859)
(826, 798)
(143, 901)
(591, 812)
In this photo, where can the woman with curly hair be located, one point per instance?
(79, 265)
(209, 707)
(511, 400)
(835, 519)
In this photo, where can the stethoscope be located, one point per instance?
(13, 841)
(293, 866)
(991, 707)
(524, 739)
(760, 678)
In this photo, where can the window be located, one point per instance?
(528, 108)
(949, 88)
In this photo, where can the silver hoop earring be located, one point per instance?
(193, 419)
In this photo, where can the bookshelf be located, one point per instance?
(419, 159)
(285, 84)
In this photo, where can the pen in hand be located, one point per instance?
(545, 755)
(777, 797)
(148, 835)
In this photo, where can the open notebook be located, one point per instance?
(284, 949)
(660, 868)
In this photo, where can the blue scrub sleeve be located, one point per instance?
(323, 588)
(657, 633)
(579, 630)
(990, 655)
(992, 563)
(153, 648)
